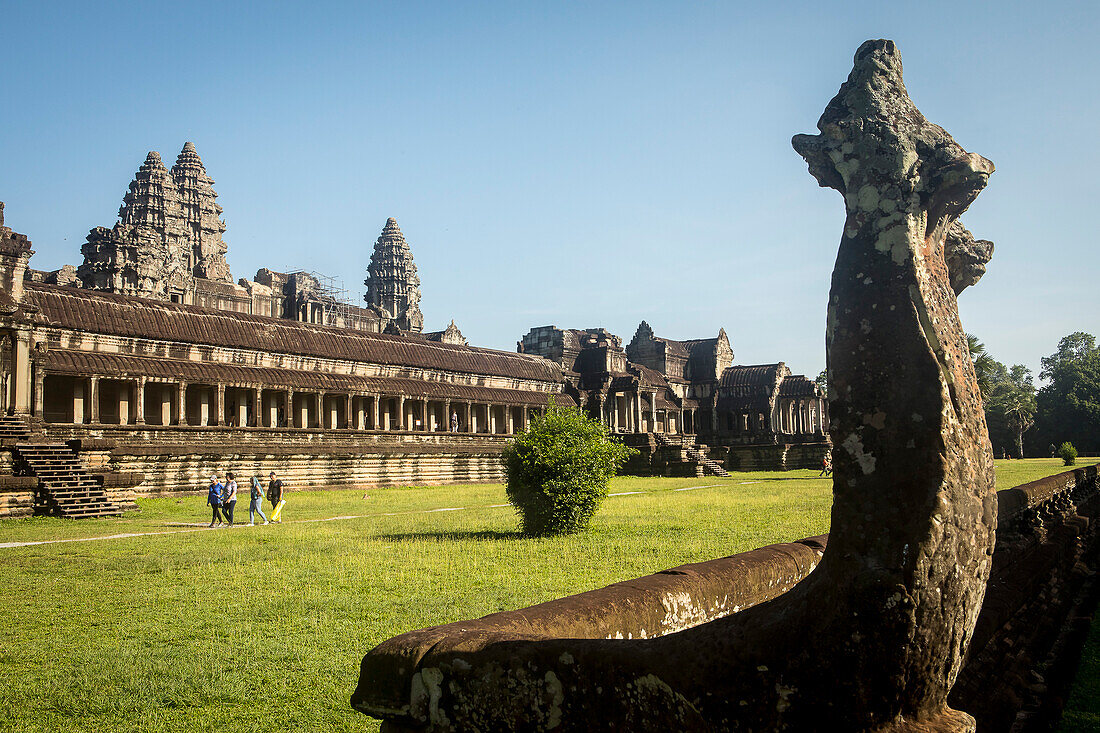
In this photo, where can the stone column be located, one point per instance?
(93, 399)
(400, 412)
(653, 412)
(447, 416)
(510, 419)
(466, 422)
(125, 398)
(219, 405)
(78, 401)
(39, 391)
(256, 418)
(21, 371)
(375, 412)
(181, 404)
(139, 402)
(165, 404)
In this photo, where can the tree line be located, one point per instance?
(1028, 422)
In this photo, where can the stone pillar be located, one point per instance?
(93, 399)
(375, 412)
(125, 399)
(39, 391)
(510, 421)
(466, 422)
(21, 371)
(78, 401)
(400, 402)
(255, 419)
(653, 412)
(447, 415)
(139, 402)
(165, 404)
(219, 405)
(288, 410)
(181, 404)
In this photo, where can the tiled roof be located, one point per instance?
(87, 363)
(648, 377)
(758, 375)
(121, 315)
(797, 385)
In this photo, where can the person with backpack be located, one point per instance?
(275, 496)
(214, 499)
(230, 501)
(256, 502)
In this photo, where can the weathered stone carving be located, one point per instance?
(169, 232)
(966, 257)
(392, 283)
(873, 639)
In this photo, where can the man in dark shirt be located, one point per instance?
(275, 496)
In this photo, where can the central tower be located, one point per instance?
(393, 286)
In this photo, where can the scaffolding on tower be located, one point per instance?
(330, 293)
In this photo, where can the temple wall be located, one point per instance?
(182, 459)
(780, 457)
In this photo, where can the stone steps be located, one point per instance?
(65, 488)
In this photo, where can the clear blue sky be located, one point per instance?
(588, 164)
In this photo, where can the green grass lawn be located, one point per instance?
(262, 628)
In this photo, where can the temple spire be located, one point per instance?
(392, 283)
(202, 215)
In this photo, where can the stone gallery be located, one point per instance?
(156, 368)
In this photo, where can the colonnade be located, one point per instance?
(626, 412)
(150, 401)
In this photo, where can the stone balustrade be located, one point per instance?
(1046, 549)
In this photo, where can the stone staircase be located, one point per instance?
(65, 488)
(693, 452)
(13, 428)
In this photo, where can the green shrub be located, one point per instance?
(557, 470)
(1068, 454)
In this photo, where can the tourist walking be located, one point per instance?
(214, 499)
(826, 466)
(454, 422)
(275, 496)
(256, 501)
(230, 502)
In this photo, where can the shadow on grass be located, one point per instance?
(428, 535)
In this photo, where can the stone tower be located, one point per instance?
(201, 215)
(168, 233)
(392, 283)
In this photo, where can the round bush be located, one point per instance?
(1068, 454)
(558, 469)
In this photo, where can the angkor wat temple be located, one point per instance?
(151, 364)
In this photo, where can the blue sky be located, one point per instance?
(580, 164)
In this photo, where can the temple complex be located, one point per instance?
(147, 361)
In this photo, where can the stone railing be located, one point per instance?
(1043, 555)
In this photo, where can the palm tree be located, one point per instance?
(984, 364)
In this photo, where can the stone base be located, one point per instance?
(946, 721)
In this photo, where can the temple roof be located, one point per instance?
(798, 385)
(127, 316)
(755, 375)
(81, 363)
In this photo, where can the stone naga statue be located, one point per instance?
(872, 640)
